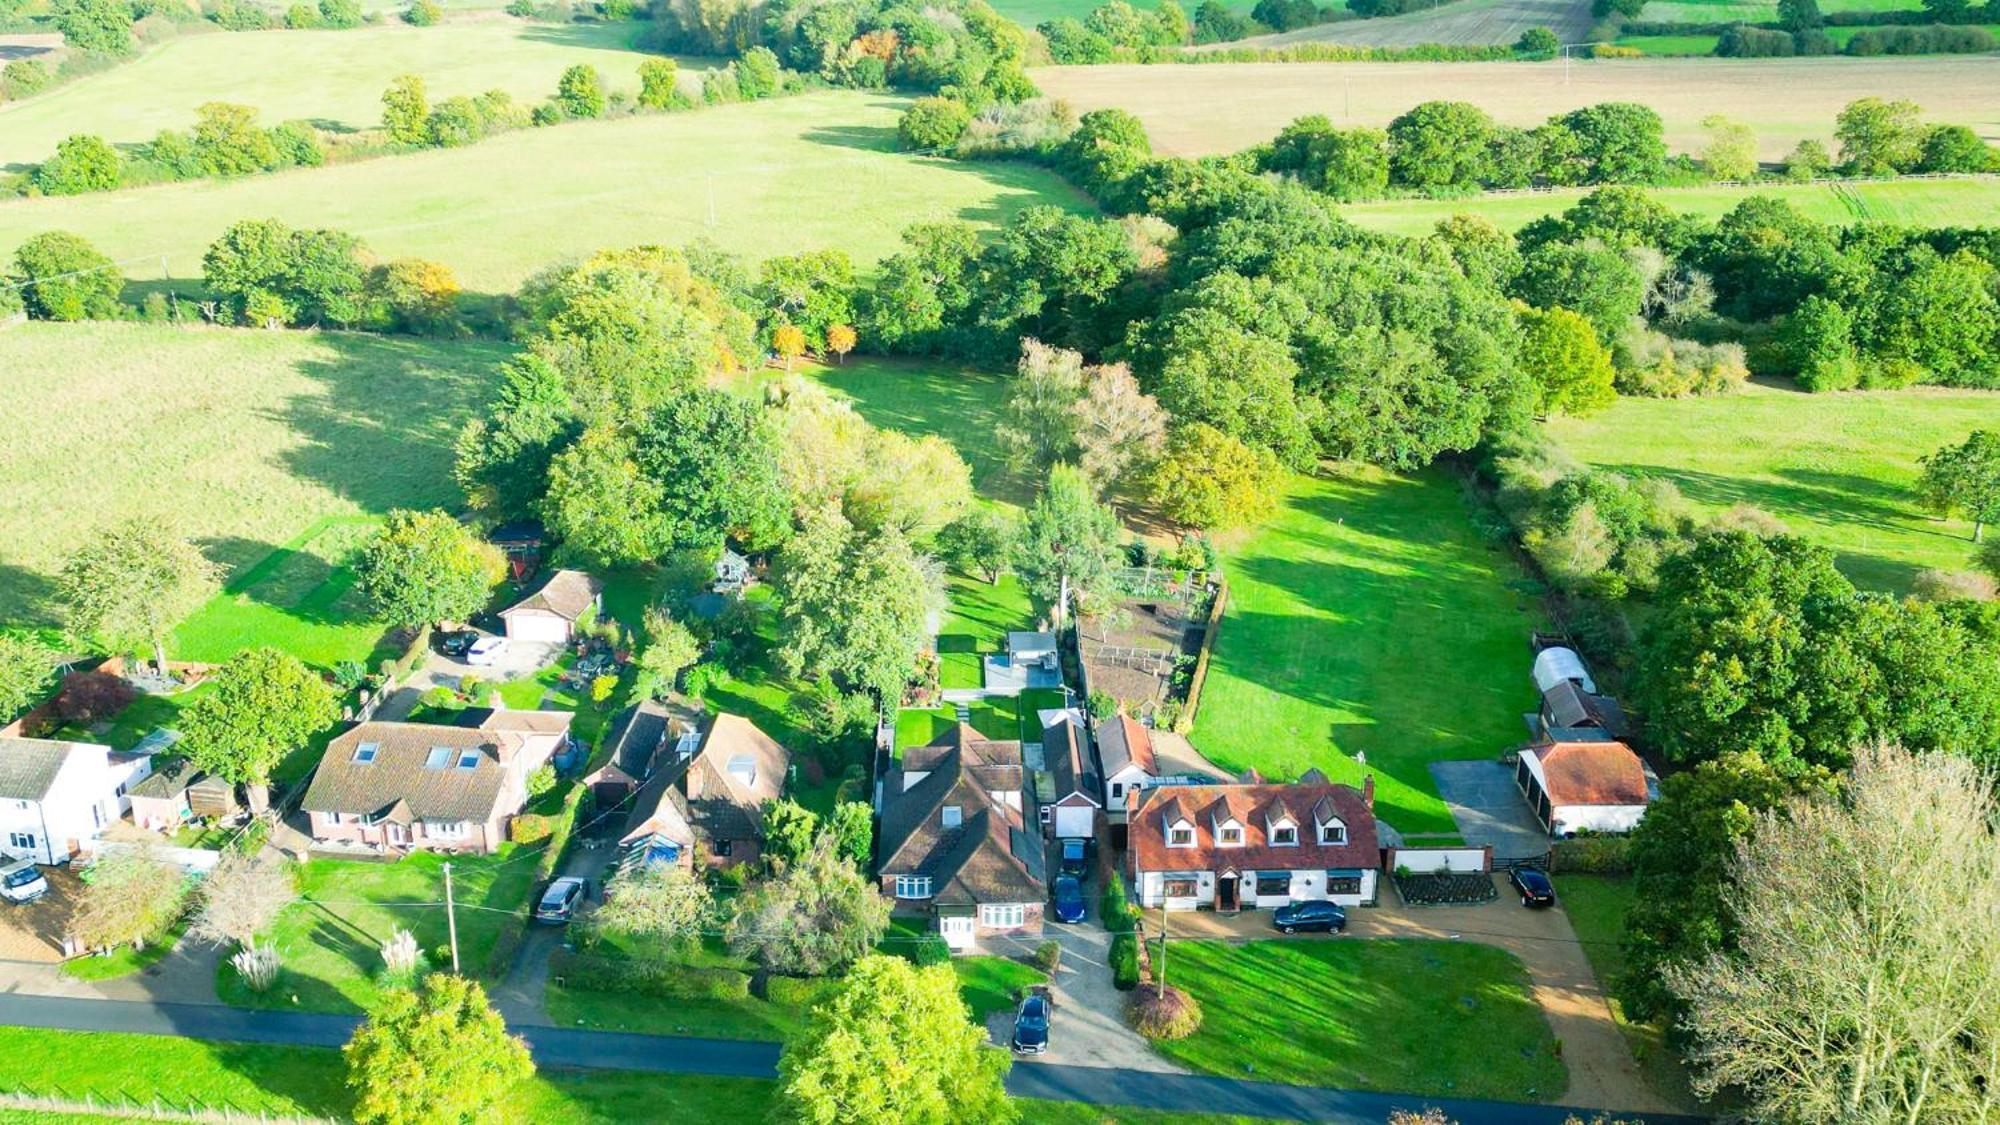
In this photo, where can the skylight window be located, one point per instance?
(468, 760)
(365, 753)
(439, 758)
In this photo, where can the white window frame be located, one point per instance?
(1333, 832)
(1117, 790)
(913, 886)
(1004, 915)
(22, 840)
(447, 829)
(1285, 827)
(1229, 835)
(1174, 834)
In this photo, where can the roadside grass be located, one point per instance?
(125, 960)
(334, 79)
(749, 1018)
(1392, 1015)
(240, 439)
(1226, 107)
(1836, 468)
(331, 939)
(1596, 906)
(299, 598)
(1370, 616)
(991, 984)
(1924, 203)
(816, 171)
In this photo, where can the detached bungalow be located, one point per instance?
(1125, 750)
(707, 798)
(57, 797)
(953, 843)
(1585, 786)
(1236, 847)
(552, 613)
(396, 786)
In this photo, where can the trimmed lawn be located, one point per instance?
(241, 439)
(299, 598)
(1836, 468)
(331, 939)
(782, 176)
(1370, 616)
(1596, 906)
(922, 727)
(750, 1018)
(990, 984)
(985, 613)
(145, 715)
(1368, 1014)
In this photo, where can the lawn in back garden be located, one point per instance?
(811, 172)
(333, 79)
(300, 598)
(1835, 468)
(1428, 1018)
(331, 939)
(241, 440)
(981, 616)
(1370, 616)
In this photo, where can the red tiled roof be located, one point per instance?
(1251, 806)
(1591, 773)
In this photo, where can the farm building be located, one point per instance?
(552, 613)
(1594, 786)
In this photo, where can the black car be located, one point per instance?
(559, 903)
(1318, 915)
(1534, 885)
(454, 644)
(1031, 1024)
(1076, 855)
(1069, 899)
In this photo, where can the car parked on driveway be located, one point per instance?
(485, 651)
(1318, 915)
(560, 902)
(21, 882)
(1031, 1023)
(1069, 899)
(455, 643)
(1534, 885)
(1076, 855)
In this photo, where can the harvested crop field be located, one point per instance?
(1195, 110)
(1466, 23)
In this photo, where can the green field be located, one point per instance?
(1686, 45)
(242, 439)
(1760, 11)
(1353, 1014)
(1971, 201)
(334, 79)
(1836, 468)
(300, 598)
(764, 178)
(1370, 616)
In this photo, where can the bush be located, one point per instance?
(1048, 956)
(82, 163)
(1590, 855)
(1102, 705)
(23, 78)
(930, 949)
(650, 976)
(1125, 961)
(933, 124)
(1166, 1013)
(340, 13)
(88, 698)
(66, 278)
(1933, 585)
(302, 17)
(423, 13)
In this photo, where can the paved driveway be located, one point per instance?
(1089, 1029)
(520, 660)
(1489, 808)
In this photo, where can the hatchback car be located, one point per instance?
(1534, 885)
(454, 644)
(22, 882)
(1076, 854)
(1319, 915)
(485, 650)
(560, 902)
(1069, 899)
(1031, 1024)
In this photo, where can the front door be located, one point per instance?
(957, 931)
(398, 835)
(1225, 892)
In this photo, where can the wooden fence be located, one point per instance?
(159, 1109)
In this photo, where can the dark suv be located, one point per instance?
(1031, 1024)
(454, 644)
(1318, 915)
(1534, 885)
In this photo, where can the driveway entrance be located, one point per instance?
(1489, 809)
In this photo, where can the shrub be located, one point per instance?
(258, 966)
(1048, 956)
(340, 13)
(423, 13)
(930, 949)
(402, 961)
(658, 977)
(82, 163)
(302, 17)
(660, 85)
(1102, 705)
(1125, 961)
(66, 278)
(417, 296)
(23, 78)
(718, 87)
(933, 123)
(580, 92)
(1933, 585)
(88, 698)
(798, 993)
(1166, 1013)
(1590, 855)
(758, 74)
(298, 145)
(541, 781)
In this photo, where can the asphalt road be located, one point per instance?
(604, 1050)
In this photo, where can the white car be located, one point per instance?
(22, 882)
(485, 650)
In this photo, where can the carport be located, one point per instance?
(1489, 808)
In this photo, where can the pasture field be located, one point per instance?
(1462, 23)
(759, 179)
(1369, 616)
(334, 79)
(1029, 13)
(1836, 468)
(1223, 107)
(1971, 201)
(1757, 11)
(242, 439)
(1686, 46)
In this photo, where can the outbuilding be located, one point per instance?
(1597, 786)
(553, 612)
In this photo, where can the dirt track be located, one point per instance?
(1192, 110)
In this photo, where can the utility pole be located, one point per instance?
(450, 918)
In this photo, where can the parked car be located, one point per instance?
(485, 650)
(1076, 856)
(1031, 1023)
(1534, 885)
(21, 882)
(560, 902)
(454, 644)
(1318, 915)
(1069, 899)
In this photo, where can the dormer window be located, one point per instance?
(1333, 832)
(1180, 835)
(1285, 836)
(1231, 836)
(953, 816)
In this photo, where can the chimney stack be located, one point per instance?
(1368, 792)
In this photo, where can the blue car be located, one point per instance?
(1069, 899)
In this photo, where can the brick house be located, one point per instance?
(403, 786)
(706, 798)
(1238, 847)
(953, 843)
